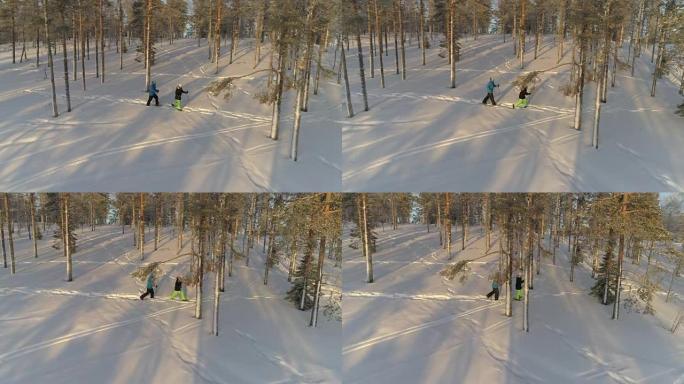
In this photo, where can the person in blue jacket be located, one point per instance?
(490, 92)
(495, 290)
(153, 94)
(150, 287)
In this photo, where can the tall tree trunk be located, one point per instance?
(10, 233)
(157, 220)
(67, 239)
(509, 266)
(259, 32)
(658, 63)
(378, 33)
(422, 29)
(217, 35)
(2, 237)
(121, 39)
(523, 17)
(66, 64)
(280, 85)
(362, 73)
(102, 39)
(370, 39)
(50, 62)
(621, 255)
(200, 270)
(447, 222)
(321, 256)
(83, 42)
(343, 64)
(74, 47)
(235, 36)
(32, 210)
(366, 238)
(148, 45)
(452, 42)
(141, 227)
(402, 38)
(579, 96)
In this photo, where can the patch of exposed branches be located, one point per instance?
(224, 86)
(527, 80)
(459, 269)
(142, 272)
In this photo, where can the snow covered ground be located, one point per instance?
(96, 329)
(411, 325)
(111, 141)
(422, 135)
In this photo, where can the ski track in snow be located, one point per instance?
(445, 143)
(18, 352)
(650, 168)
(452, 99)
(115, 296)
(278, 360)
(426, 296)
(125, 148)
(413, 329)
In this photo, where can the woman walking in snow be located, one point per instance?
(153, 94)
(490, 92)
(495, 290)
(179, 93)
(150, 287)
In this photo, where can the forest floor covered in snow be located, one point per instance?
(96, 329)
(436, 330)
(422, 135)
(111, 141)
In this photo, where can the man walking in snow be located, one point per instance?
(522, 99)
(153, 94)
(518, 287)
(150, 287)
(178, 292)
(495, 290)
(179, 92)
(490, 92)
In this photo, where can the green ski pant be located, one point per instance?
(179, 295)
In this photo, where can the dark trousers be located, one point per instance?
(495, 292)
(150, 291)
(490, 96)
(156, 100)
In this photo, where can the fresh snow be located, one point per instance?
(422, 135)
(96, 329)
(413, 326)
(111, 141)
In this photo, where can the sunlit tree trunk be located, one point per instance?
(50, 62)
(10, 233)
(32, 211)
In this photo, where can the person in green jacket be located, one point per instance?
(151, 285)
(519, 287)
(178, 292)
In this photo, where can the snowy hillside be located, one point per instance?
(111, 141)
(421, 135)
(96, 329)
(411, 325)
